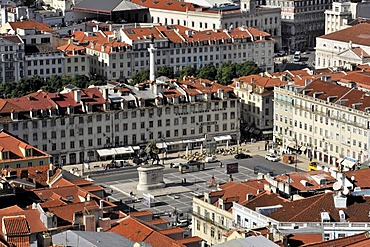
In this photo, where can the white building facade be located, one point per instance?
(12, 58)
(74, 124)
(327, 122)
(344, 48)
(342, 13)
(301, 21)
(124, 53)
(201, 18)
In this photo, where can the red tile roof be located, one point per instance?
(32, 217)
(14, 145)
(137, 231)
(30, 24)
(170, 231)
(301, 239)
(35, 101)
(15, 225)
(19, 241)
(66, 212)
(37, 173)
(309, 209)
(357, 240)
(340, 95)
(358, 34)
(237, 192)
(296, 180)
(361, 178)
(167, 5)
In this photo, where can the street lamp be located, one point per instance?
(296, 153)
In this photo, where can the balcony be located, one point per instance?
(209, 220)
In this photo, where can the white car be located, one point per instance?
(272, 157)
(175, 165)
(210, 159)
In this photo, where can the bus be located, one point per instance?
(297, 56)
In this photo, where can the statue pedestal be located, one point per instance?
(150, 178)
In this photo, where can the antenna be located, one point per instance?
(337, 186)
(345, 191)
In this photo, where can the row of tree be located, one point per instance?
(224, 75)
(54, 84)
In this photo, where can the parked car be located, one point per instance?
(175, 165)
(242, 156)
(182, 223)
(271, 157)
(210, 159)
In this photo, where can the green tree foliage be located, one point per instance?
(247, 68)
(140, 76)
(54, 84)
(208, 71)
(226, 73)
(165, 71)
(186, 71)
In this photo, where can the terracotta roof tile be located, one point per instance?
(19, 241)
(32, 217)
(66, 212)
(296, 179)
(301, 239)
(358, 34)
(30, 24)
(15, 225)
(361, 178)
(38, 173)
(167, 5)
(172, 230)
(137, 231)
(13, 145)
(357, 240)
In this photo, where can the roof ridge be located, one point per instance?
(321, 196)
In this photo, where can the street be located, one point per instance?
(180, 195)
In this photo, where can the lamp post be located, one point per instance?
(296, 153)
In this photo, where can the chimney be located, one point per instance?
(152, 51)
(340, 201)
(101, 203)
(77, 95)
(88, 197)
(105, 93)
(50, 173)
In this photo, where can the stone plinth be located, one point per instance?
(150, 178)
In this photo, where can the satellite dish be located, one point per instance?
(345, 191)
(337, 185)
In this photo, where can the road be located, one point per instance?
(197, 183)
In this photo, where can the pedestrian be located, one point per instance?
(111, 191)
(184, 180)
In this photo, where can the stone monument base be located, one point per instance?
(150, 178)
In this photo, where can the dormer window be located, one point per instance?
(28, 152)
(5, 155)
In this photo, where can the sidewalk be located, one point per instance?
(257, 148)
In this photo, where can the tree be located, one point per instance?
(208, 71)
(226, 73)
(165, 71)
(247, 68)
(140, 76)
(186, 71)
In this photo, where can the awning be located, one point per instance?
(106, 152)
(348, 162)
(174, 143)
(135, 147)
(161, 145)
(115, 151)
(222, 138)
(251, 129)
(267, 132)
(303, 149)
(124, 150)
